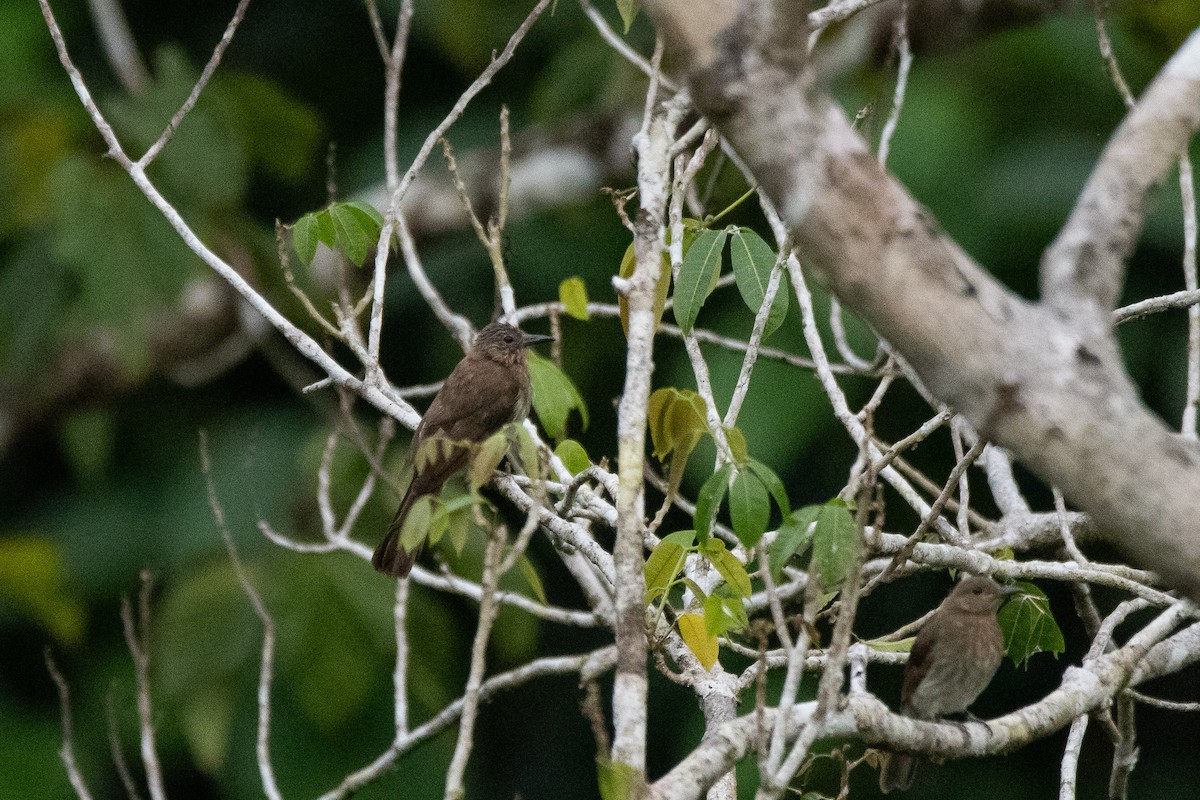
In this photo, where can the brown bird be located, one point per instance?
(953, 659)
(487, 390)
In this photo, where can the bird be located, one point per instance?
(953, 659)
(486, 390)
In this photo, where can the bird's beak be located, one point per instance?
(1009, 589)
(534, 338)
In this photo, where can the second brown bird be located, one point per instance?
(487, 390)
(953, 659)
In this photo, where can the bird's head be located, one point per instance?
(978, 594)
(504, 343)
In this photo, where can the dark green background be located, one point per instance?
(996, 139)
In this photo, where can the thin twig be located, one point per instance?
(267, 656)
(67, 752)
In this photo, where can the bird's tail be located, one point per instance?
(896, 772)
(390, 557)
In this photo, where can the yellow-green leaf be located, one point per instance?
(554, 396)
(737, 444)
(529, 573)
(898, 646)
(659, 404)
(628, 9)
(697, 638)
(485, 459)
(728, 565)
(32, 581)
(572, 293)
(663, 564)
(618, 781)
(573, 456)
(416, 525)
(661, 290)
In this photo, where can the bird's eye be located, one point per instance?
(508, 339)
(978, 590)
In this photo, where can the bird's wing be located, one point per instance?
(918, 660)
(462, 410)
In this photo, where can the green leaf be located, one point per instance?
(415, 529)
(1028, 625)
(708, 502)
(723, 612)
(899, 646)
(572, 293)
(529, 573)
(773, 484)
(793, 537)
(487, 458)
(728, 565)
(835, 541)
(753, 261)
(628, 9)
(554, 396)
(355, 231)
(618, 781)
(697, 638)
(700, 266)
(32, 581)
(663, 564)
(365, 208)
(305, 238)
(573, 456)
(749, 507)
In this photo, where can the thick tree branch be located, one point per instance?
(1053, 393)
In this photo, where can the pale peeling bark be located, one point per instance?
(1042, 379)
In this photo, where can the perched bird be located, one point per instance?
(952, 661)
(487, 390)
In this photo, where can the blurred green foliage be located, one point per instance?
(102, 482)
